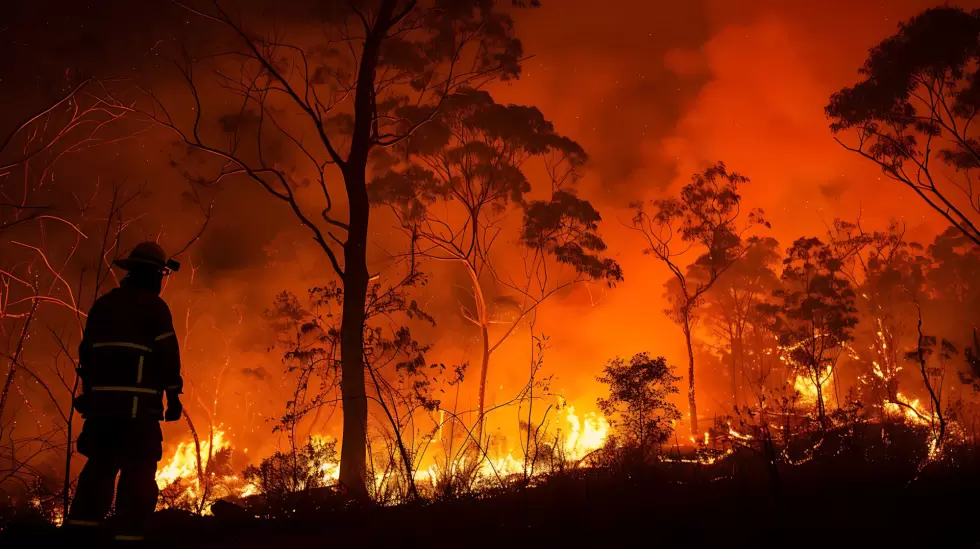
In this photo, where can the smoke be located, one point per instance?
(752, 79)
(654, 91)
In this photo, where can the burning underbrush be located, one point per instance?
(200, 472)
(762, 459)
(780, 440)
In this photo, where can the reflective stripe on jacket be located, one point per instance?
(129, 355)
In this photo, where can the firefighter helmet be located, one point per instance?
(144, 255)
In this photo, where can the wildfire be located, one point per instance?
(911, 410)
(50, 508)
(584, 437)
(184, 462)
(191, 479)
(188, 467)
(733, 433)
(807, 389)
(329, 472)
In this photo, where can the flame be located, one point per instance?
(732, 432)
(183, 463)
(329, 472)
(585, 434)
(911, 410)
(807, 389)
(182, 467)
(584, 437)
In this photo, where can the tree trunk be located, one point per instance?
(353, 450)
(734, 364)
(483, 320)
(484, 367)
(821, 413)
(692, 403)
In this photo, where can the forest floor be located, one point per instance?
(729, 504)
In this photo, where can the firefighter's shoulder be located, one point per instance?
(158, 306)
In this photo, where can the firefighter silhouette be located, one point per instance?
(128, 360)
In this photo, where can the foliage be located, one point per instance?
(284, 473)
(814, 312)
(472, 153)
(638, 404)
(471, 150)
(401, 382)
(705, 218)
(451, 188)
(735, 320)
(308, 340)
(217, 480)
(566, 227)
(911, 114)
(972, 355)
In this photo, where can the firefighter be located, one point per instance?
(128, 361)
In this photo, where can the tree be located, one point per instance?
(304, 468)
(705, 219)
(731, 307)
(309, 343)
(638, 404)
(814, 313)
(932, 378)
(951, 279)
(463, 174)
(306, 112)
(912, 114)
(885, 270)
(35, 145)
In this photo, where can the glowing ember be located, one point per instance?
(53, 511)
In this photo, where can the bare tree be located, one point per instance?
(31, 150)
(39, 302)
(932, 379)
(310, 110)
(45, 235)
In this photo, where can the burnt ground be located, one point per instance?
(847, 503)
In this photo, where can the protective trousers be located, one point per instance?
(125, 447)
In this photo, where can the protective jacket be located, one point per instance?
(129, 356)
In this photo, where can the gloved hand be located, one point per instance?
(174, 408)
